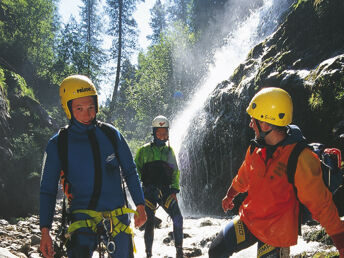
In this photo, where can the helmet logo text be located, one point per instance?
(83, 90)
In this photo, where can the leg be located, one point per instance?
(233, 238)
(268, 251)
(123, 246)
(172, 208)
(82, 245)
(149, 227)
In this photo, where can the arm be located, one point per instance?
(176, 173)
(48, 190)
(129, 170)
(49, 184)
(139, 162)
(239, 182)
(46, 245)
(313, 193)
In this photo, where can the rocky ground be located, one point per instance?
(21, 237)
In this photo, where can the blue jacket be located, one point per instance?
(81, 172)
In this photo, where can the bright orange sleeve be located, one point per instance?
(241, 180)
(313, 193)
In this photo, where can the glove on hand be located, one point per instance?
(338, 240)
(227, 202)
(174, 191)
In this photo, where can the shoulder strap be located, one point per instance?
(292, 161)
(109, 132)
(62, 145)
(291, 169)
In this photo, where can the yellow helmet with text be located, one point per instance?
(76, 86)
(272, 105)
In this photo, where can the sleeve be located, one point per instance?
(176, 172)
(49, 184)
(241, 180)
(313, 193)
(129, 170)
(139, 161)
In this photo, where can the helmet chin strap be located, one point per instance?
(262, 135)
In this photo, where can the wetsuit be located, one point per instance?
(159, 173)
(84, 173)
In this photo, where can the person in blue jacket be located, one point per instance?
(96, 200)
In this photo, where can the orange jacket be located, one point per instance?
(271, 209)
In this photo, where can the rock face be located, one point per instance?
(305, 56)
(25, 128)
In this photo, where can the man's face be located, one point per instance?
(84, 109)
(162, 133)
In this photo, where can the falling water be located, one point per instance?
(260, 24)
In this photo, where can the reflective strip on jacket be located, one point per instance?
(150, 152)
(271, 209)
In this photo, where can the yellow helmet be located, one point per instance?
(73, 87)
(272, 105)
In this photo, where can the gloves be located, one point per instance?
(227, 202)
(174, 190)
(338, 240)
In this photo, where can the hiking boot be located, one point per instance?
(148, 254)
(179, 253)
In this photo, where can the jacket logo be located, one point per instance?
(83, 90)
(161, 123)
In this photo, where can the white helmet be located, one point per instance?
(160, 121)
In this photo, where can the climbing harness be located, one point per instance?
(103, 222)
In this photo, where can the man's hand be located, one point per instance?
(338, 240)
(141, 218)
(46, 245)
(227, 202)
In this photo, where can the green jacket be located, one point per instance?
(150, 152)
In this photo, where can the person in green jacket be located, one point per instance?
(159, 173)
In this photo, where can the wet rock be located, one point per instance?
(5, 253)
(192, 252)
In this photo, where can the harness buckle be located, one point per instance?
(111, 247)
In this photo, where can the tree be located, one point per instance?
(69, 52)
(91, 29)
(180, 10)
(27, 30)
(152, 94)
(158, 21)
(123, 31)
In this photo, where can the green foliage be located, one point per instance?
(27, 32)
(158, 21)
(299, 3)
(151, 94)
(2, 81)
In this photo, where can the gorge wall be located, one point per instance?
(305, 56)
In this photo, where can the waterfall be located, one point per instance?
(258, 25)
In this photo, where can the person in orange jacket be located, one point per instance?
(269, 214)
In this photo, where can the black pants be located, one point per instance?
(236, 237)
(153, 197)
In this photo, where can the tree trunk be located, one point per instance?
(88, 44)
(118, 71)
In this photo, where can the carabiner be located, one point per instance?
(110, 247)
